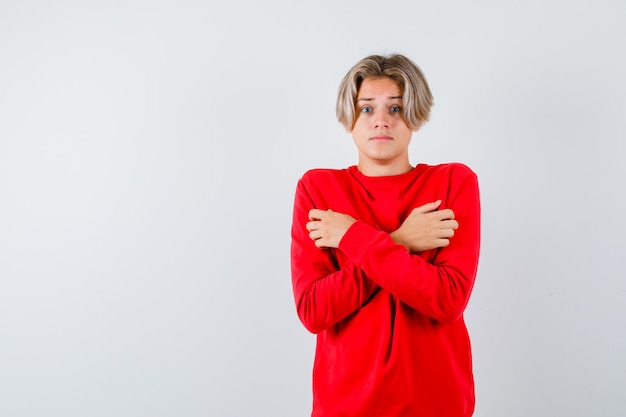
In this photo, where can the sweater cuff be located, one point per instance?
(357, 239)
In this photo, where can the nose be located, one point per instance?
(381, 120)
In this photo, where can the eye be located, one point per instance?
(366, 109)
(395, 109)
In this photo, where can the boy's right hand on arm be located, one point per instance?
(426, 228)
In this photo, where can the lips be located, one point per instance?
(381, 138)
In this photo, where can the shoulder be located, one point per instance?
(320, 184)
(452, 170)
(323, 175)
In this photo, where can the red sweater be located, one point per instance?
(391, 340)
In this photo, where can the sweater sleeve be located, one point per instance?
(324, 292)
(441, 288)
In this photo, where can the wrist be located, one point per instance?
(397, 237)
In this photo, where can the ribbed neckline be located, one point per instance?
(387, 186)
(386, 179)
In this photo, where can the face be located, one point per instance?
(380, 133)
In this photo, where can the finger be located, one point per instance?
(315, 214)
(449, 224)
(428, 207)
(446, 233)
(439, 243)
(445, 214)
(320, 243)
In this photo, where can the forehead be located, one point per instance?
(379, 87)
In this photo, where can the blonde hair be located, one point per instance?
(416, 96)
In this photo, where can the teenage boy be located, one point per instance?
(384, 257)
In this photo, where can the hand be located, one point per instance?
(426, 228)
(326, 228)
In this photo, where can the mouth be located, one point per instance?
(381, 138)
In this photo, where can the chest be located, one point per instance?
(384, 209)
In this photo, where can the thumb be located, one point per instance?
(428, 207)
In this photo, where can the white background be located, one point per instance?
(149, 153)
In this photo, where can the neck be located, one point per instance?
(382, 170)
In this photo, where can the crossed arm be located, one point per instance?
(327, 290)
(425, 228)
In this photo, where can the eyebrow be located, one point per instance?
(371, 98)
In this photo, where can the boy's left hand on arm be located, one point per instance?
(327, 227)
